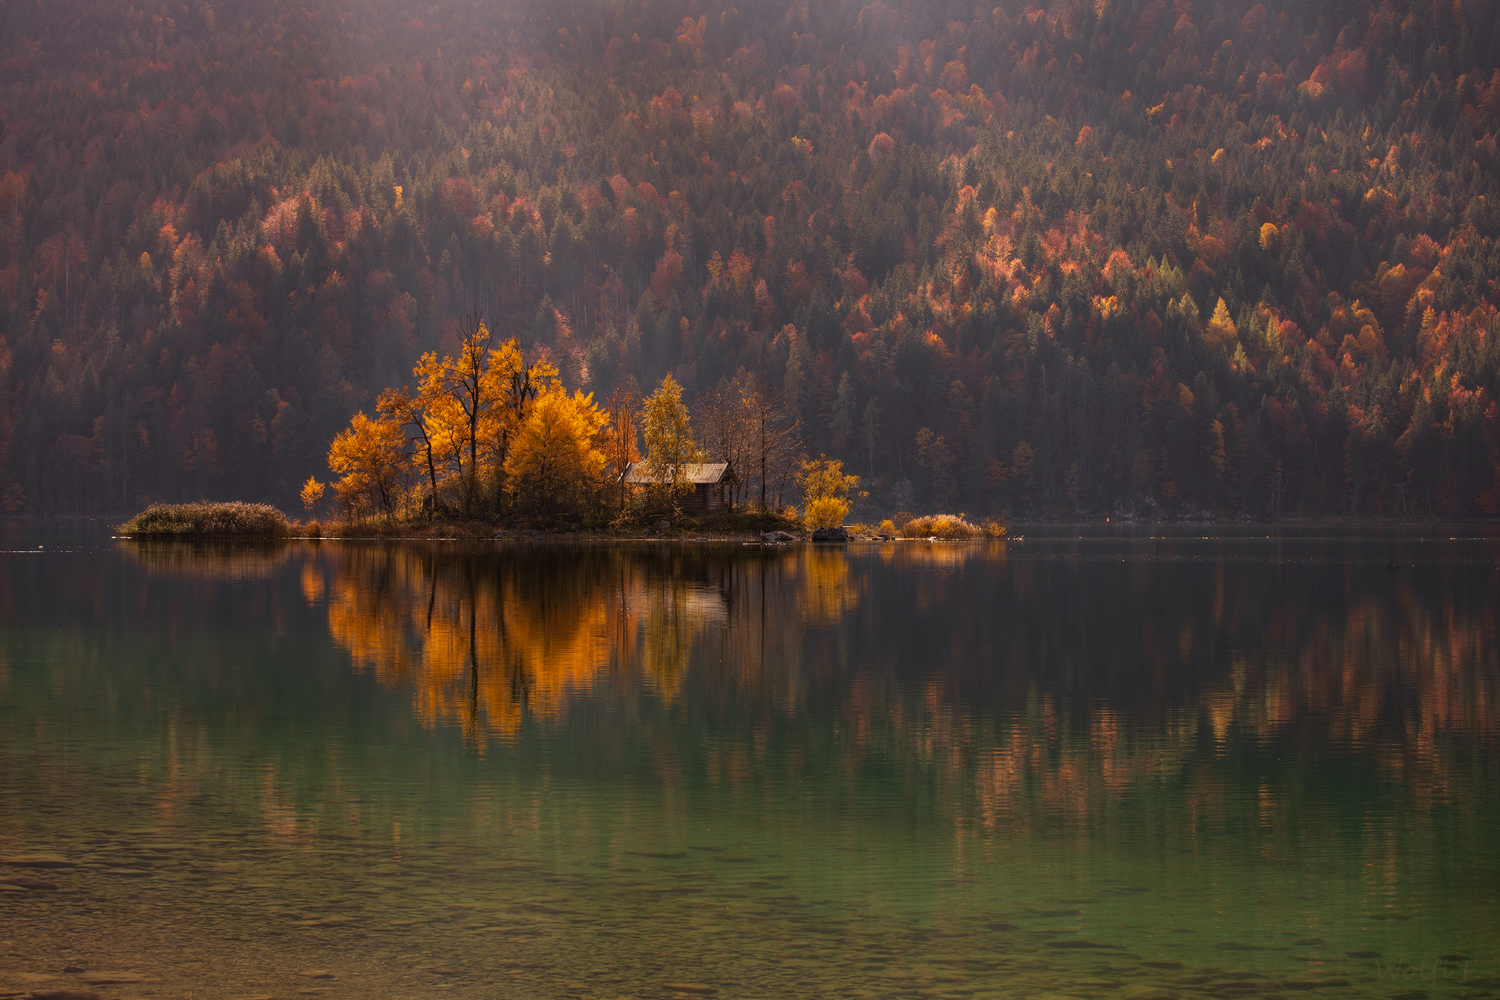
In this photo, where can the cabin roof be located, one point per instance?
(697, 473)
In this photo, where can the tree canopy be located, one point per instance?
(668, 434)
(1088, 258)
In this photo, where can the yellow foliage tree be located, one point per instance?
(1221, 330)
(370, 456)
(312, 492)
(468, 409)
(447, 430)
(825, 492)
(556, 462)
(670, 447)
(468, 380)
(514, 386)
(407, 410)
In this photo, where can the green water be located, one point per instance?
(1131, 764)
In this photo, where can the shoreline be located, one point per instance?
(1018, 533)
(1013, 519)
(482, 532)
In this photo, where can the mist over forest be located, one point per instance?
(1087, 258)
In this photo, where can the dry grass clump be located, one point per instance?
(947, 527)
(249, 520)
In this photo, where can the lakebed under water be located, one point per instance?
(1138, 763)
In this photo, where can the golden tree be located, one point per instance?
(408, 411)
(469, 383)
(825, 492)
(555, 461)
(514, 386)
(467, 410)
(312, 492)
(370, 456)
(447, 429)
(1221, 329)
(670, 447)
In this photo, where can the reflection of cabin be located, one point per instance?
(713, 484)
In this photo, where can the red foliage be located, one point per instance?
(668, 270)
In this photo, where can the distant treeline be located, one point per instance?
(1106, 255)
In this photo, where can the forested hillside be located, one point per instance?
(1089, 258)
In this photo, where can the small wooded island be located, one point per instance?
(207, 519)
(488, 443)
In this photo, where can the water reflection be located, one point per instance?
(1012, 695)
(484, 638)
(1126, 661)
(1058, 761)
(210, 560)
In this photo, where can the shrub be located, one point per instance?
(887, 528)
(251, 520)
(948, 527)
(826, 512)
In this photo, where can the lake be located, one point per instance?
(1144, 763)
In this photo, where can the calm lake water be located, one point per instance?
(1142, 764)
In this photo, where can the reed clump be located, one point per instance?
(949, 527)
(246, 520)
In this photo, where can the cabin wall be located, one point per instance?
(702, 499)
(705, 498)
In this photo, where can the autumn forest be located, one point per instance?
(1109, 257)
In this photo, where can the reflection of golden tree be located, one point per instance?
(312, 582)
(478, 643)
(555, 635)
(669, 617)
(1397, 679)
(483, 640)
(362, 618)
(828, 594)
(942, 556)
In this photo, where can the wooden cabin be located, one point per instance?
(713, 485)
